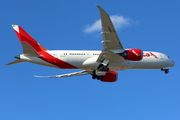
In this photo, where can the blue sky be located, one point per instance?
(138, 94)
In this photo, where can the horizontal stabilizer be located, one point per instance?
(15, 62)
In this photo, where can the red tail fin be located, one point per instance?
(25, 37)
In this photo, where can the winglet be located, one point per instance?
(101, 9)
(41, 76)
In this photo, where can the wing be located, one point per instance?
(84, 72)
(110, 39)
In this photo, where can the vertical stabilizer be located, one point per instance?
(29, 44)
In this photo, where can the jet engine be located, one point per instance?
(132, 54)
(111, 76)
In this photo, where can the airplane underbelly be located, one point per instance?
(149, 64)
(119, 66)
(41, 62)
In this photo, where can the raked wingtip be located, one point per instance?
(40, 76)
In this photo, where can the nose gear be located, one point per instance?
(166, 71)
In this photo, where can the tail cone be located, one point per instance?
(17, 57)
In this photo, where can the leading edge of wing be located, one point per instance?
(83, 72)
(110, 38)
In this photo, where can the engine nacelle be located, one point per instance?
(132, 54)
(110, 76)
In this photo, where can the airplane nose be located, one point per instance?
(172, 63)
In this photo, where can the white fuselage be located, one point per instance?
(87, 60)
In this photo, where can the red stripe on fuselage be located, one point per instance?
(55, 61)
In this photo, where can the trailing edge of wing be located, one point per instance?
(84, 72)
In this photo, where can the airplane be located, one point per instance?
(102, 65)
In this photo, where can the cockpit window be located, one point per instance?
(168, 57)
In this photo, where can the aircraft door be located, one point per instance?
(56, 54)
(89, 54)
